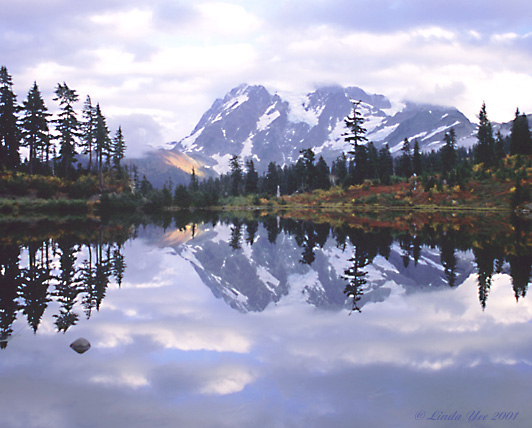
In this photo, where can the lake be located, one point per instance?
(247, 319)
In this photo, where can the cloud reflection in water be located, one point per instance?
(166, 352)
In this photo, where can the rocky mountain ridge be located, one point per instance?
(266, 126)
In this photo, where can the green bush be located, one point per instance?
(84, 187)
(45, 188)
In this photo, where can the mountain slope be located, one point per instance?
(255, 124)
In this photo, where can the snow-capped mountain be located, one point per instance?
(256, 124)
(255, 273)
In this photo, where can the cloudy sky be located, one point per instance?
(155, 66)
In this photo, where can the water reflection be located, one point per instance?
(169, 349)
(76, 265)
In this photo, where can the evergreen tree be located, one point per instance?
(89, 129)
(102, 141)
(339, 169)
(520, 140)
(118, 148)
(307, 169)
(251, 184)
(236, 175)
(322, 180)
(356, 134)
(405, 161)
(361, 167)
(373, 161)
(9, 131)
(182, 197)
(194, 185)
(448, 152)
(416, 160)
(35, 131)
(68, 125)
(272, 179)
(500, 151)
(485, 147)
(385, 165)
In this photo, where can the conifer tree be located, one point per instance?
(194, 185)
(500, 151)
(118, 148)
(252, 178)
(339, 169)
(361, 167)
(272, 179)
(385, 165)
(485, 147)
(68, 125)
(236, 175)
(373, 161)
(307, 168)
(416, 160)
(520, 140)
(322, 180)
(102, 142)
(9, 131)
(89, 129)
(356, 134)
(405, 161)
(448, 152)
(35, 131)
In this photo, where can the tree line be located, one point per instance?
(54, 141)
(450, 164)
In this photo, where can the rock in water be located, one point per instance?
(80, 345)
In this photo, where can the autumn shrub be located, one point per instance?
(84, 187)
(46, 187)
(17, 185)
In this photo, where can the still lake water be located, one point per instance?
(266, 321)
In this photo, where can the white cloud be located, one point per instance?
(226, 19)
(133, 23)
(171, 60)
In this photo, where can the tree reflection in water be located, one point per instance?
(74, 265)
(70, 267)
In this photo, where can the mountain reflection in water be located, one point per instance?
(253, 308)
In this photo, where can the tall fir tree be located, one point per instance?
(339, 169)
(35, 132)
(356, 134)
(272, 179)
(251, 184)
(322, 180)
(9, 130)
(102, 142)
(417, 165)
(385, 165)
(485, 148)
(520, 140)
(236, 175)
(67, 125)
(89, 130)
(118, 148)
(405, 161)
(448, 152)
(194, 184)
(307, 168)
